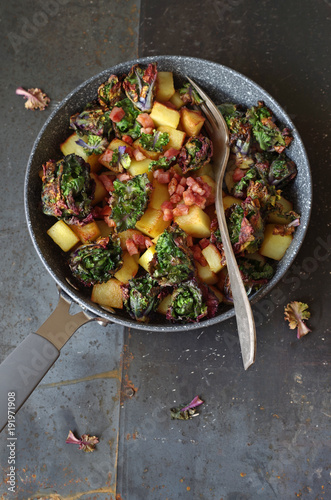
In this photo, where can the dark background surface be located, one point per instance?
(261, 434)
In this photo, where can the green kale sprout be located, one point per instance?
(95, 144)
(163, 162)
(129, 201)
(141, 297)
(246, 227)
(109, 92)
(68, 190)
(282, 170)
(120, 160)
(197, 152)
(189, 95)
(128, 125)
(96, 262)
(89, 121)
(140, 87)
(172, 262)
(155, 141)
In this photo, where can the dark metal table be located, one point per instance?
(261, 434)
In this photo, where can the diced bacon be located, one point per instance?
(197, 255)
(163, 177)
(145, 120)
(167, 205)
(182, 182)
(172, 186)
(109, 222)
(146, 130)
(180, 190)
(180, 209)
(124, 177)
(127, 138)
(195, 186)
(131, 247)
(167, 215)
(175, 198)
(189, 240)
(117, 114)
(107, 181)
(204, 243)
(106, 157)
(139, 239)
(210, 200)
(106, 210)
(148, 242)
(188, 197)
(238, 174)
(171, 152)
(138, 155)
(199, 200)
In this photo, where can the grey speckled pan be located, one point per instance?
(223, 85)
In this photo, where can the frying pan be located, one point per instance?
(27, 364)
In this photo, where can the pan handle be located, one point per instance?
(28, 363)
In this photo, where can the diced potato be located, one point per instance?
(63, 236)
(100, 191)
(165, 86)
(151, 155)
(281, 218)
(69, 147)
(176, 137)
(274, 246)
(228, 201)
(104, 229)
(162, 115)
(191, 121)
(213, 257)
(207, 169)
(139, 167)
(159, 195)
(87, 233)
(108, 294)
(176, 100)
(152, 223)
(196, 222)
(116, 143)
(205, 274)
(125, 235)
(128, 270)
(164, 305)
(146, 257)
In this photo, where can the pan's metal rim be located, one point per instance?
(98, 311)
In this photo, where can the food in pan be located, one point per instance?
(134, 198)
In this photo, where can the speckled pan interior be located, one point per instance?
(223, 85)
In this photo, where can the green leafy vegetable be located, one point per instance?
(128, 125)
(96, 262)
(89, 121)
(129, 201)
(109, 92)
(163, 162)
(141, 297)
(35, 98)
(155, 141)
(296, 313)
(186, 412)
(95, 144)
(189, 95)
(68, 190)
(140, 87)
(282, 170)
(197, 152)
(120, 160)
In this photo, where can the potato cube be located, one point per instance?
(104, 229)
(228, 201)
(205, 274)
(213, 257)
(100, 191)
(63, 236)
(281, 218)
(116, 143)
(152, 155)
(176, 100)
(274, 246)
(159, 195)
(196, 222)
(108, 294)
(146, 257)
(87, 233)
(164, 305)
(162, 115)
(152, 223)
(69, 146)
(139, 167)
(164, 85)
(191, 121)
(128, 270)
(176, 137)
(207, 169)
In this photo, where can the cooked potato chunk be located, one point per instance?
(159, 195)
(205, 274)
(176, 137)
(63, 236)
(139, 167)
(152, 223)
(274, 246)
(164, 305)
(108, 294)
(147, 257)
(162, 115)
(69, 147)
(87, 233)
(213, 257)
(191, 121)
(176, 100)
(128, 270)
(196, 222)
(100, 191)
(165, 86)
(275, 218)
(228, 201)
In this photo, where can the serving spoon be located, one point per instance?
(218, 133)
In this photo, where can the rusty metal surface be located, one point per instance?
(55, 45)
(265, 433)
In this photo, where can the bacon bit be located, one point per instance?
(167, 214)
(124, 177)
(180, 190)
(167, 205)
(197, 255)
(117, 114)
(188, 197)
(109, 222)
(175, 198)
(163, 177)
(196, 186)
(171, 152)
(139, 239)
(146, 130)
(148, 242)
(127, 138)
(145, 121)
(238, 174)
(131, 247)
(182, 182)
(172, 186)
(138, 155)
(189, 240)
(204, 243)
(181, 209)
(106, 158)
(107, 181)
